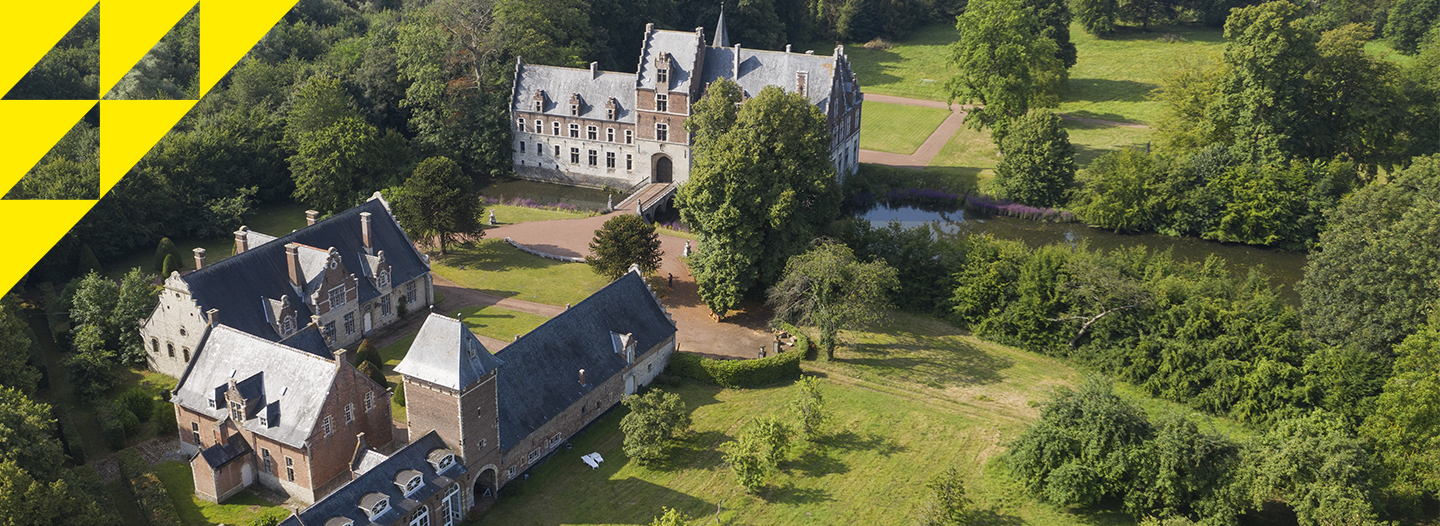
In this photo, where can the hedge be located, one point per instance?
(150, 495)
(802, 342)
(736, 373)
(70, 437)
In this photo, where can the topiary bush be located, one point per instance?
(736, 373)
(366, 353)
(400, 394)
(88, 262)
(71, 439)
(164, 249)
(139, 401)
(113, 432)
(164, 417)
(369, 369)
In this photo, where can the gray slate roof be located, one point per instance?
(540, 375)
(345, 502)
(759, 68)
(560, 83)
(294, 387)
(238, 285)
(221, 454)
(683, 47)
(446, 353)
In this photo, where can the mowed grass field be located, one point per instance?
(972, 152)
(493, 266)
(509, 215)
(910, 399)
(897, 128)
(1113, 77)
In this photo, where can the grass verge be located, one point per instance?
(180, 484)
(1113, 77)
(498, 323)
(897, 128)
(509, 215)
(492, 266)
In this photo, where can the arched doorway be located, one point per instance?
(661, 169)
(485, 487)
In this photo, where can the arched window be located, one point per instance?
(155, 345)
(170, 347)
(539, 126)
(445, 463)
(384, 278)
(287, 326)
(414, 484)
(187, 354)
(421, 517)
(374, 504)
(555, 128)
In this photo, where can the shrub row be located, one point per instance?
(150, 495)
(802, 342)
(736, 373)
(70, 438)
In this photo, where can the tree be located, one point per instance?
(809, 407)
(334, 165)
(746, 459)
(15, 370)
(1039, 162)
(1405, 424)
(440, 203)
(656, 418)
(1097, 16)
(369, 370)
(946, 503)
(758, 191)
(1266, 95)
(1007, 64)
(622, 241)
(1377, 269)
(826, 287)
(90, 367)
(94, 305)
(315, 105)
(1316, 465)
(136, 299)
(27, 435)
(165, 248)
(670, 517)
(27, 500)
(1118, 192)
(1408, 22)
(1055, 18)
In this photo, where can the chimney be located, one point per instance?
(594, 70)
(242, 240)
(213, 315)
(342, 355)
(736, 73)
(365, 229)
(292, 259)
(787, 48)
(199, 258)
(582, 377)
(311, 216)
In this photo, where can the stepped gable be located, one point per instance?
(447, 354)
(540, 375)
(683, 48)
(385, 480)
(242, 286)
(285, 386)
(559, 84)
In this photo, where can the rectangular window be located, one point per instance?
(662, 77)
(539, 148)
(534, 455)
(662, 102)
(610, 113)
(329, 332)
(555, 128)
(329, 426)
(592, 133)
(575, 155)
(385, 305)
(269, 462)
(574, 131)
(609, 137)
(594, 158)
(195, 430)
(609, 159)
(289, 469)
(410, 292)
(539, 126)
(539, 106)
(349, 323)
(369, 401)
(629, 136)
(575, 109)
(522, 147)
(629, 162)
(349, 413)
(662, 131)
(557, 151)
(337, 296)
(520, 125)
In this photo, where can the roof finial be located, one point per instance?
(722, 37)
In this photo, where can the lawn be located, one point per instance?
(916, 67)
(1113, 77)
(897, 128)
(276, 220)
(498, 323)
(972, 152)
(180, 484)
(492, 266)
(509, 215)
(1093, 140)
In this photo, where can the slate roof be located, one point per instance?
(293, 388)
(238, 285)
(760, 68)
(221, 454)
(540, 374)
(560, 83)
(345, 502)
(446, 353)
(683, 47)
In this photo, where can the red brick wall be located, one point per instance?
(646, 118)
(330, 456)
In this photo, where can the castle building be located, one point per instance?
(603, 128)
(349, 275)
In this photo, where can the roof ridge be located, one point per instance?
(275, 343)
(284, 240)
(566, 312)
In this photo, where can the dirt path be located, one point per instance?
(933, 144)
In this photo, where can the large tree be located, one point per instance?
(760, 189)
(1377, 269)
(441, 203)
(28, 500)
(1406, 421)
(622, 241)
(1007, 64)
(1408, 22)
(655, 419)
(1266, 94)
(1039, 162)
(826, 287)
(1097, 16)
(1316, 465)
(1055, 18)
(15, 370)
(26, 435)
(333, 167)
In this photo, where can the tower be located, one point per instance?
(450, 379)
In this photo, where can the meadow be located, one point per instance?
(897, 128)
(495, 267)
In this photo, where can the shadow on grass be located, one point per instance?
(919, 360)
(1190, 34)
(993, 517)
(789, 494)
(1107, 90)
(853, 441)
(491, 255)
(874, 65)
(816, 462)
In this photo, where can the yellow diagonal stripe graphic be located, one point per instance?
(128, 129)
(29, 130)
(129, 28)
(29, 29)
(31, 228)
(228, 30)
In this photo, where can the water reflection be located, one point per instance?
(1285, 268)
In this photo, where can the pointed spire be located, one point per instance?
(722, 37)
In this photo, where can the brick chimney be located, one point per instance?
(242, 240)
(199, 258)
(311, 217)
(342, 355)
(292, 259)
(365, 229)
(213, 316)
(582, 377)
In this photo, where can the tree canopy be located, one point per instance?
(623, 241)
(1039, 162)
(826, 287)
(1007, 61)
(655, 419)
(440, 202)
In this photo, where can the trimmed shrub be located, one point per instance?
(166, 248)
(114, 433)
(170, 265)
(736, 373)
(88, 262)
(369, 369)
(802, 342)
(70, 438)
(366, 353)
(402, 306)
(400, 394)
(138, 400)
(164, 417)
(131, 463)
(128, 421)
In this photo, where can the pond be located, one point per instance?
(1285, 268)
(547, 193)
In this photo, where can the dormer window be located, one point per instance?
(237, 412)
(611, 108)
(575, 105)
(445, 463)
(539, 101)
(375, 504)
(414, 485)
(409, 481)
(339, 521)
(384, 278)
(288, 325)
(539, 105)
(442, 459)
(264, 422)
(662, 77)
(662, 71)
(337, 296)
